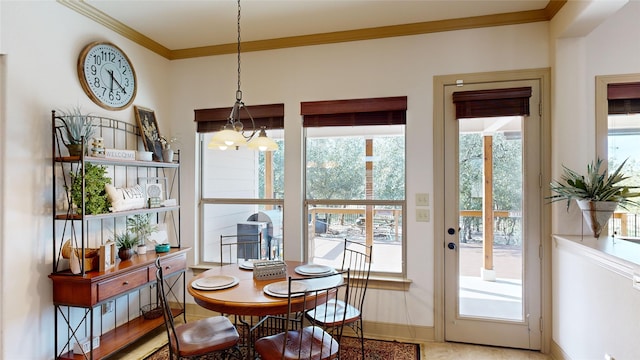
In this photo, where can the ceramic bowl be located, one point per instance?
(144, 155)
(162, 248)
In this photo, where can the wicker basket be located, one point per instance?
(151, 311)
(269, 269)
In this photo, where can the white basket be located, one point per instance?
(269, 269)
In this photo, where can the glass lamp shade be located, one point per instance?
(213, 144)
(263, 143)
(228, 138)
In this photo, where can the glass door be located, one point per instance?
(492, 216)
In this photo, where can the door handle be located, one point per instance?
(451, 231)
(451, 246)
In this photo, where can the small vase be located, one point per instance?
(125, 254)
(142, 249)
(167, 155)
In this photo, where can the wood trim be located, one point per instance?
(521, 17)
(103, 19)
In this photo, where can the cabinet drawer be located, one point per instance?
(169, 266)
(121, 284)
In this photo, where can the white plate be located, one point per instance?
(281, 289)
(246, 264)
(215, 282)
(314, 269)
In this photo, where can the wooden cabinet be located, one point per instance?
(84, 297)
(95, 288)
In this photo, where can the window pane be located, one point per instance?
(623, 139)
(243, 173)
(355, 181)
(237, 223)
(329, 225)
(338, 159)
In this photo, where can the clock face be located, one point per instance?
(107, 76)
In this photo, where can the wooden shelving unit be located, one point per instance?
(78, 298)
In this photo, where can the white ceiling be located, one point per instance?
(187, 24)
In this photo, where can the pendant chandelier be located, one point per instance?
(232, 133)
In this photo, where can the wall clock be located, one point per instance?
(107, 76)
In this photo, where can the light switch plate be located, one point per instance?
(422, 199)
(422, 215)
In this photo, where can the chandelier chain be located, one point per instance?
(239, 92)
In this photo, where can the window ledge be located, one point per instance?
(375, 281)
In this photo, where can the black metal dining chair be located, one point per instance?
(302, 339)
(357, 258)
(215, 334)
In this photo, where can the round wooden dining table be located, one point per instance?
(247, 297)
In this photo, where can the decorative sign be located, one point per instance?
(107, 255)
(120, 154)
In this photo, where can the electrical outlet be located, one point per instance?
(422, 215)
(422, 199)
(107, 307)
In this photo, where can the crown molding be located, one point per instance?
(522, 17)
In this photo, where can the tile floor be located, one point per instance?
(430, 350)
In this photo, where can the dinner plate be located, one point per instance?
(246, 264)
(281, 289)
(314, 269)
(216, 282)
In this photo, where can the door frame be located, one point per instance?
(439, 228)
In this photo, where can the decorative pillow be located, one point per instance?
(125, 198)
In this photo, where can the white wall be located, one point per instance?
(596, 309)
(583, 293)
(378, 68)
(42, 40)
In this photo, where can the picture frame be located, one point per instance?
(107, 256)
(148, 127)
(151, 185)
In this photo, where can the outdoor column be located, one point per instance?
(487, 273)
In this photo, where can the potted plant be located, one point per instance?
(96, 200)
(78, 128)
(597, 194)
(140, 224)
(125, 242)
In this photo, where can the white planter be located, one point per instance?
(597, 213)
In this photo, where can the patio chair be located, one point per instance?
(212, 335)
(309, 341)
(357, 259)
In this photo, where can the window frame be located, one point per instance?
(356, 112)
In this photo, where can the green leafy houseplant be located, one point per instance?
(77, 126)
(95, 179)
(125, 242)
(597, 194)
(595, 186)
(141, 225)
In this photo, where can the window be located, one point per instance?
(618, 133)
(241, 191)
(355, 179)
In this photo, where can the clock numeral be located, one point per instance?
(97, 60)
(94, 70)
(96, 82)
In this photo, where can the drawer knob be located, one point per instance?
(167, 267)
(125, 283)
